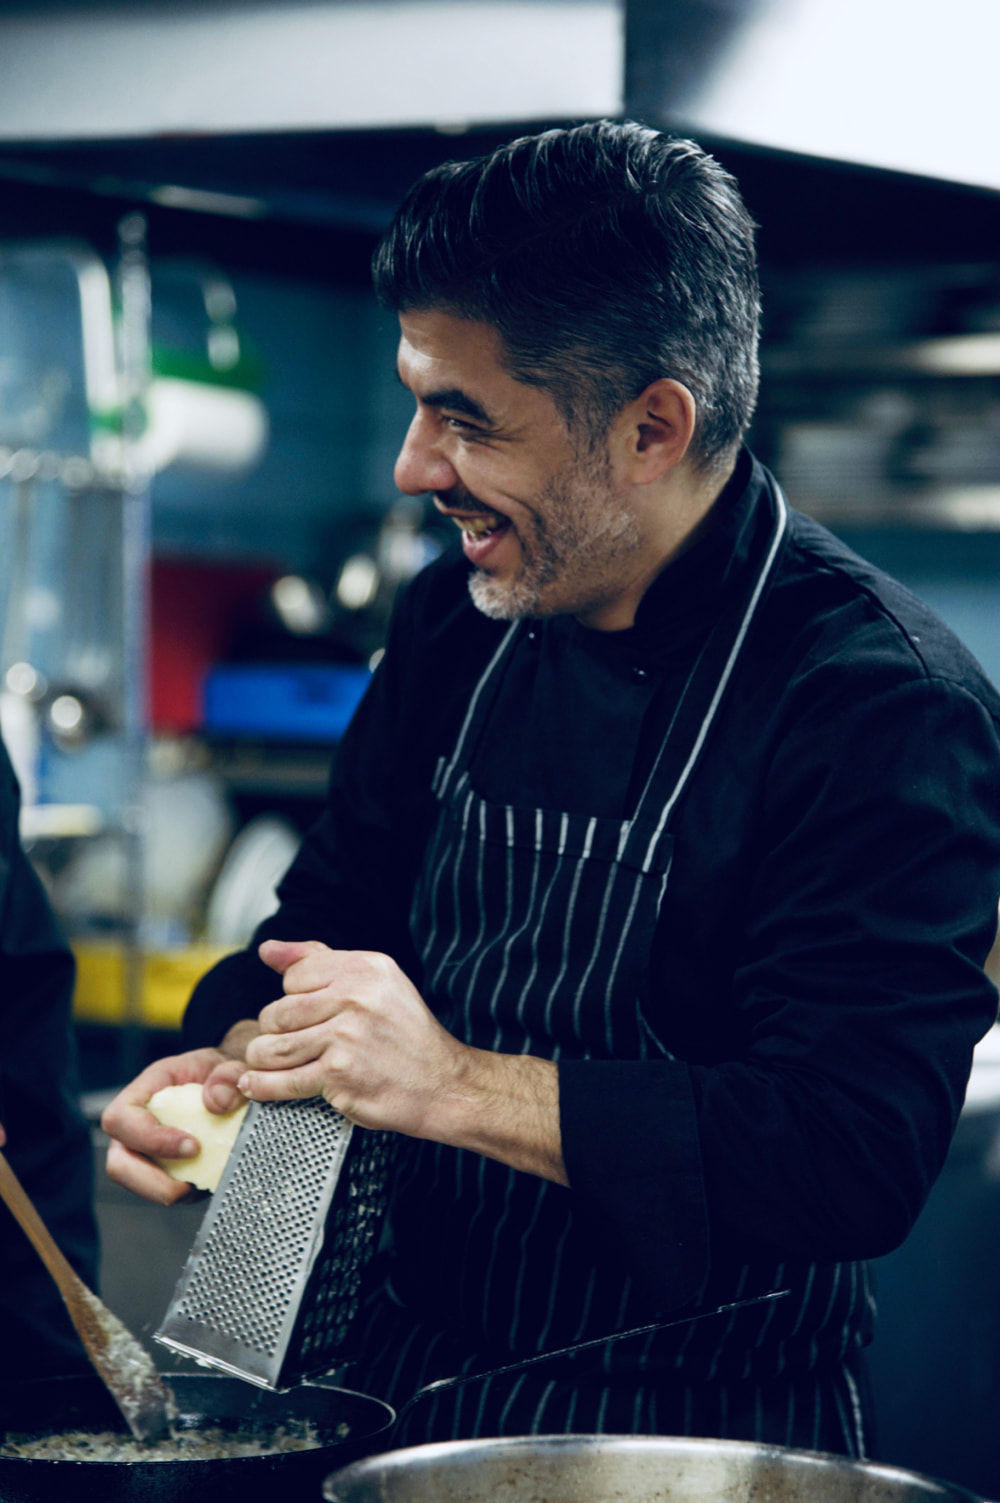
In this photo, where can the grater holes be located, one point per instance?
(304, 1179)
(250, 1262)
(352, 1233)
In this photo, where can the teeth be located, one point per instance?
(478, 527)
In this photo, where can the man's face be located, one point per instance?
(542, 519)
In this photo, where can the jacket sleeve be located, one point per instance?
(351, 883)
(854, 998)
(347, 886)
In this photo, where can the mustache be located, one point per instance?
(459, 499)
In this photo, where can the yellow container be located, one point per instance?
(168, 979)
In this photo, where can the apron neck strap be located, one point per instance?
(709, 678)
(699, 701)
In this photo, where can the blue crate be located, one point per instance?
(279, 702)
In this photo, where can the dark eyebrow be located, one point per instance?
(454, 399)
(457, 400)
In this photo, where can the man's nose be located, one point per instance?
(421, 466)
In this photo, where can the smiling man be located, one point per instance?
(553, 523)
(660, 862)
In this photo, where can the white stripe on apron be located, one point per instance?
(535, 928)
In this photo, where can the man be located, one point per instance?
(44, 1134)
(660, 861)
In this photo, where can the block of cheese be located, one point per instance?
(181, 1106)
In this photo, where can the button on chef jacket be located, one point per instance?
(814, 982)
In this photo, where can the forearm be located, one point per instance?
(354, 1029)
(506, 1107)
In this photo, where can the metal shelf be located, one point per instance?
(973, 508)
(954, 355)
(60, 821)
(263, 770)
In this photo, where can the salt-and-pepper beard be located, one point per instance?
(582, 529)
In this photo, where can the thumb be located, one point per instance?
(220, 1092)
(279, 954)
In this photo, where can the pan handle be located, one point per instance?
(440, 1384)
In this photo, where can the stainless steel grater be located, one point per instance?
(271, 1284)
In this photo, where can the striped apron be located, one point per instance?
(535, 929)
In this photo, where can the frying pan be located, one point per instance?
(348, 1425)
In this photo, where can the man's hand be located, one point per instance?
(136, 1136)
(353, 1028)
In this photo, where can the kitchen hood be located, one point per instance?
(896, 84)
(90, 70)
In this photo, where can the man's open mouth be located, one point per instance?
(480, 527)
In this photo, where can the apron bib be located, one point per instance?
(535, 929)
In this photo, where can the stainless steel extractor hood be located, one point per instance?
(89, 70)
(900, 84)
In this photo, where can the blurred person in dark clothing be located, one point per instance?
(45, 1137)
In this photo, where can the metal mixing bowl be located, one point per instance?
(625, 1469)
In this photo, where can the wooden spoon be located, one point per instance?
(122, 1362)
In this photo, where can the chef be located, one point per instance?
(652, 893)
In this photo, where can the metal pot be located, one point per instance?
(347, 1424)
(639, 1469)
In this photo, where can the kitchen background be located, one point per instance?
(200, 540)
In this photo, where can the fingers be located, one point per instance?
(285, 1051)
(137, 1130)
(292, 1066)
(350, 1027)
(317, 980)
(308, 966)
(136, 1136)
(301, 1010)
(288, 1085)
(135, 1172)
(279, 954)
(221, 1092)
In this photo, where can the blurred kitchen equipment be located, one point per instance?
(67, 581)
(346, 1425)
(932, 1366)
(187, 828)
(201, 408)
(124, 1365)
(368, 581)
(641, 1469)
(283, 701)
(59, 381)
(244, 892)
(271, 1287)
(18, 704)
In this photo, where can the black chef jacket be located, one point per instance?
(48, 1141)
(817, 966)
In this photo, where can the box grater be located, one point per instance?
(271, 1284)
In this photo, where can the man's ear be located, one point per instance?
(657, 428)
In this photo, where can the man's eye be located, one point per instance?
(460, 425)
